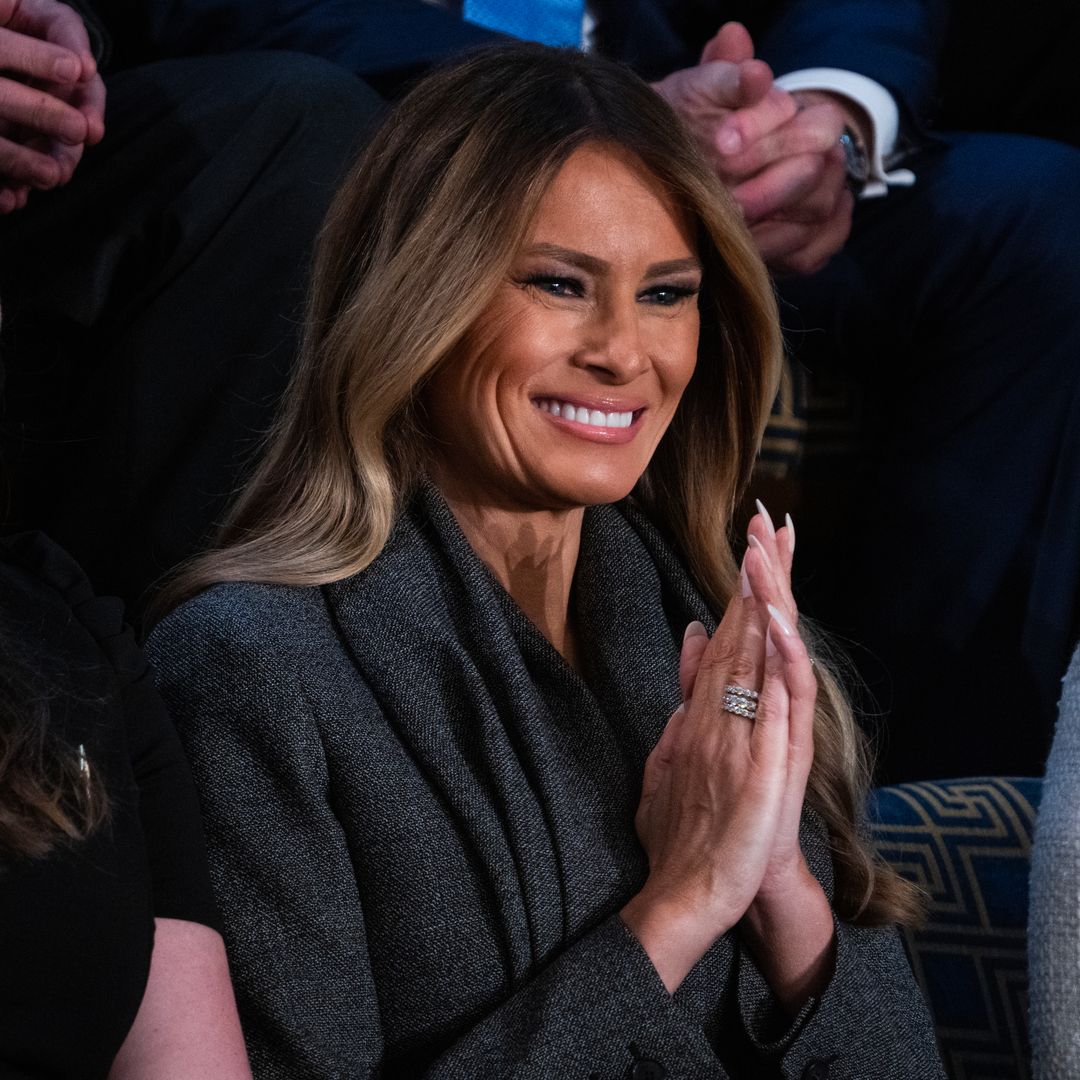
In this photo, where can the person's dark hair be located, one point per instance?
(48, 796)
(418, 240)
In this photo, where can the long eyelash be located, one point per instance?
(678, 291)
(551, 279)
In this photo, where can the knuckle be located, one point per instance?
(719, 657)
(805, 265)
(771, 698)
(802, 262)
(813, 167)
(784, 103)
(43, 111)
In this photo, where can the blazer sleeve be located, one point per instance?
(279, 862)
(870, 1021)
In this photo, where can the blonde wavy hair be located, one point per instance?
(414, 247)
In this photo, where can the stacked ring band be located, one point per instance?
(740, 701)
(741, 692)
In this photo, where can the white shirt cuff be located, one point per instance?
(879, 106)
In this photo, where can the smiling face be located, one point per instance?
(563, 388)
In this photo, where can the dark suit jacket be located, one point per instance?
(421, 830)
(897, 42)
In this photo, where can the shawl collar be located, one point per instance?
(540, 769)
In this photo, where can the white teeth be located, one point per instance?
(580, 415)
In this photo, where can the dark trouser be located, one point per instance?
(151, 307)
(956, 567)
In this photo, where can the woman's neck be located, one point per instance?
(533, 554)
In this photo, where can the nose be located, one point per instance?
(612, 346)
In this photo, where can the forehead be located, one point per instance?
(605, 202)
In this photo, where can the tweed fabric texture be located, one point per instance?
(421, 829)
(1054, 928)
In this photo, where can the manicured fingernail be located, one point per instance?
(67, 69)
(780, 621)
(765, 514)
(770, 645)
(729, 141)
(791, 530)
(757, 545)
(694, 629)
(746, 590)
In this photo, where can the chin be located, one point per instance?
(596, 490)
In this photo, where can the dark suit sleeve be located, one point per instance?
(375, 39)
(898, 43)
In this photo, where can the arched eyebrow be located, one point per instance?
(592, 265)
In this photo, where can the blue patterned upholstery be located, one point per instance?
(968, 844)
(816, 419)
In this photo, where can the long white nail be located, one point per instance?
(755, 543)
(765, 514)
(694, 629)
(746, 590)
(778, 618)
(791, 529)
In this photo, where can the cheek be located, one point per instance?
(680, 350)
(523, 342)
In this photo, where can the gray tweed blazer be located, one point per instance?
(1054, 920)
(420, 823)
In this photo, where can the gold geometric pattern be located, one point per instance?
(814, 414)
(967, 843)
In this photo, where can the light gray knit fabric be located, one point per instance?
(1054, 928)
(420, 826)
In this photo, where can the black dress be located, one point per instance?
(77, 927)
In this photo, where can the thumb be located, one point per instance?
(695, 640)
(731, 42)
(658, 761)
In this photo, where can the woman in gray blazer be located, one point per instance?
(489, 790)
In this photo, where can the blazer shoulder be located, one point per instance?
(244, 622)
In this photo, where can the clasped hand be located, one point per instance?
(722, 795)
(52, 99)
(778, 153)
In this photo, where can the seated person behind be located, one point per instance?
(472, 809)
(113, 965)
